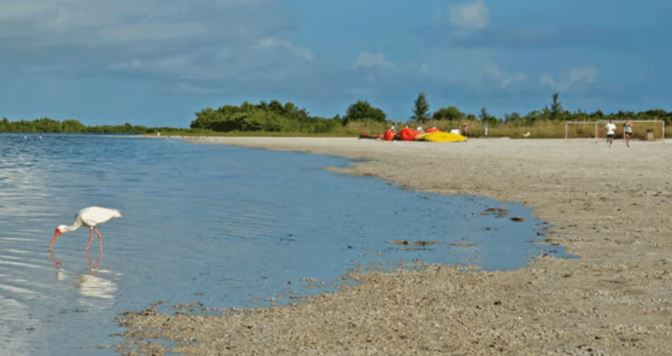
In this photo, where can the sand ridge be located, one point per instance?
(610, 206)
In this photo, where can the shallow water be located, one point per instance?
(210, 224)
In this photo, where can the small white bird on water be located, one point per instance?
(90, 217)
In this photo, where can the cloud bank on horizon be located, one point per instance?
(155, 62)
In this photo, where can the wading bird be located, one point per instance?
(90, 217)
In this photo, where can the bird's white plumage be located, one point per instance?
(95, 215)
(90, 217)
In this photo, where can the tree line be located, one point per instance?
(553, 112)
(275, 116)
(47, 125)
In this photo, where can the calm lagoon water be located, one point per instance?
(210, 224)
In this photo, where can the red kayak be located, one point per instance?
(407, 134)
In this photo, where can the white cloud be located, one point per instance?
(215, 64)
(96, 24)
(17, 10)
(171, 40)
(209, 67)
(46, 17)
(366, 60)
(270, 42)
(152, 32)
(503, 79)
(575, 77)
(469, 16)
(177, 63)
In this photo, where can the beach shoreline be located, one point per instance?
(609, 206)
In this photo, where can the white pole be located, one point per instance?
(662, 124)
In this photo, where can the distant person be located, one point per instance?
(611, 131)
(465, 130)
(627, 132)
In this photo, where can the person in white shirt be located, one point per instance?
(627, 132)
(611, 131)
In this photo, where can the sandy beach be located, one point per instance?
(609, 206)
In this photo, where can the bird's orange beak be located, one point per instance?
(57, 234)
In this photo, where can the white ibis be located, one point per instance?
(90, 217)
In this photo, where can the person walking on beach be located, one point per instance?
(611, 131)
(627, 132)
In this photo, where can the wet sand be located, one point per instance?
(610, 206)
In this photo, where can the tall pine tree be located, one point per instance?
(556, 107)
(421, 109)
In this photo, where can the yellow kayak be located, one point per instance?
(441, 137)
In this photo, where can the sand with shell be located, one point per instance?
(610, 206)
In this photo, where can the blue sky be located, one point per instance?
(156, 62)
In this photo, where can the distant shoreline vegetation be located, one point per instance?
(47, 125)
(286, 119)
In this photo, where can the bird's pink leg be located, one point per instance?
(88, 243)
(100, 241)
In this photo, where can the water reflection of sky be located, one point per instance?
(219, 225)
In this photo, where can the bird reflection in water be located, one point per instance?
(55, 262)
(91, 284)
(93, 267)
